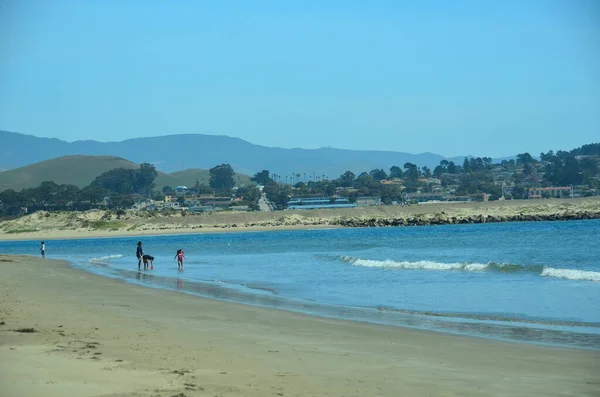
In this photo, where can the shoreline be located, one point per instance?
(98, 336)
(100, 223)
(86, 234)
(483, 326)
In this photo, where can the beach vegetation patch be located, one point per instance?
(16, 231)
(26, 330)
(107, 216)
(135, 226)
(180, 372)
(106, 225)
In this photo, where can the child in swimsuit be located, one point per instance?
(180, 256)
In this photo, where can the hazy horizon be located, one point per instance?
(534, 154)
(456, 79)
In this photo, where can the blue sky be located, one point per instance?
(488, 78)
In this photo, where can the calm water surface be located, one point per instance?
(535, 282)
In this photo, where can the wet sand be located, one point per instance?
(100, 337)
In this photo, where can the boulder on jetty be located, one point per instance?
(443, 219)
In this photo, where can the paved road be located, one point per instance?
(264, 204)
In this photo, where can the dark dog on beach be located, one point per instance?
(148, 260)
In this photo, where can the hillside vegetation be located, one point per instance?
(81, 171)
(189, 177)
(68, 170)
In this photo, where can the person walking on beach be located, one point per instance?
(139, 253)
(43, 250)
(180, 256)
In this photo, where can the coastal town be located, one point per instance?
(561, 186)
(562, 174)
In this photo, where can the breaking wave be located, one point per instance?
(545, 271)
(105, 259)
(571, 274)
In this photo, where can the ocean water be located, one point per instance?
(536, 282)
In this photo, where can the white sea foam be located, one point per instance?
(571, 274)
(104, 259)
(418, 265)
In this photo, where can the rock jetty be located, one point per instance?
(443, 219)
(107, 223)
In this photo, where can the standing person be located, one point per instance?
(139, 253)
(180, 256)
(43, 249)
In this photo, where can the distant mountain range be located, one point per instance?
(180, 152)
(82, 170)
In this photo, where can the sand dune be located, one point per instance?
(96, 223)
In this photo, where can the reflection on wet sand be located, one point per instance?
(585, 335)
(139, 275)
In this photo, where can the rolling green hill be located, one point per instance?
(75, 170)
(81, 171)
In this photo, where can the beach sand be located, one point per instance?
(101, 337)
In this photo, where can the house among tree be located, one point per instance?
(424, 197)
(552, 191)
(368, 201)
(180, 190)
(392, 181)
(310, 203)
(217, 202)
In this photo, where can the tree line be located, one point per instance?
(120, 188)
(475, 176)
(116, 188)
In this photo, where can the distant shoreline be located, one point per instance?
(100, 223)
(87, 234)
